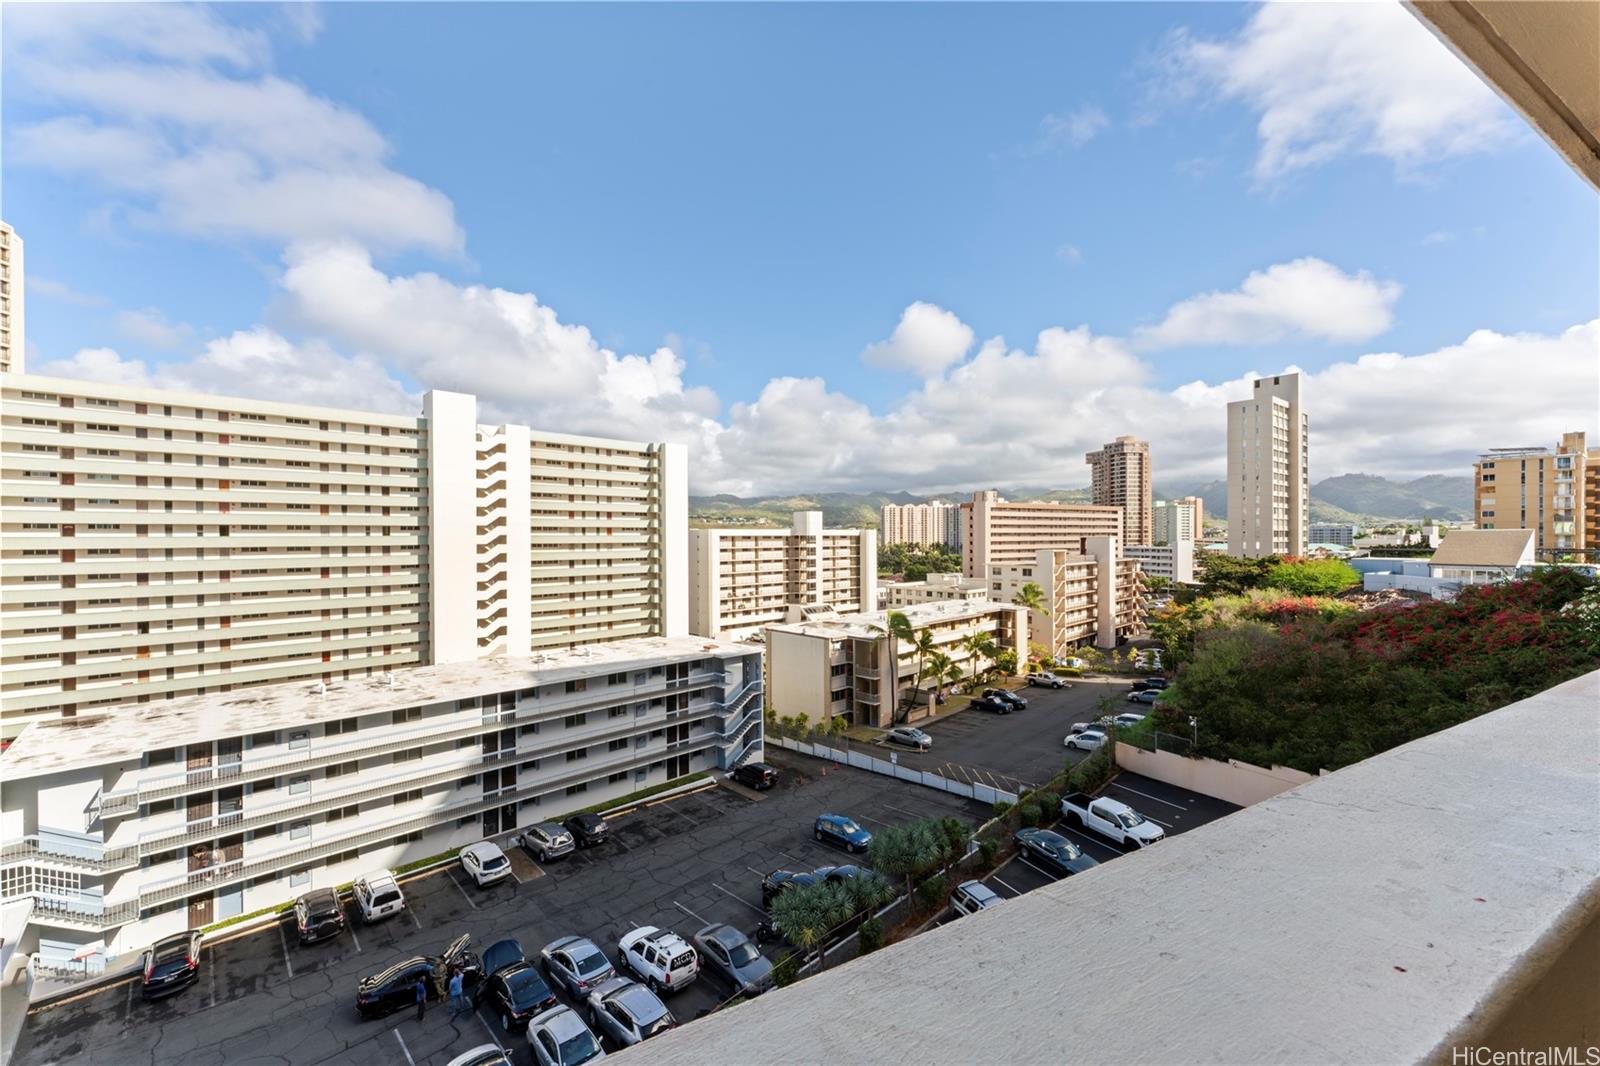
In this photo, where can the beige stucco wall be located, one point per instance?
(1233, 781)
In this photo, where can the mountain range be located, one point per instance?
(1361, 498)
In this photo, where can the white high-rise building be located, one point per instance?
(935, 522)
(1176, 521)
(13, 338)
(1269, 484)
(161, 544)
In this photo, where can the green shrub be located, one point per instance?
(1029, 813)
(871, 935)
(1049, 802)
(1002, 808)
(785, 970)
(987, 849)
(931, 892)
(955, 836)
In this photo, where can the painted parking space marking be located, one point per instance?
(451, 874)
(412, 913)
(902, 810)
(690, 913)
(352, 928)
(490, 1030)
(403, 1049)
(1003, 884)
(875, 821)
(740, 898)
(283, 939)
(211, 972)
(1146, 795)
(1040, 869)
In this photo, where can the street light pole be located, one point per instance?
(1194, 730)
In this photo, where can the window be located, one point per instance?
(409, 755)
(573, 790)
(344, 725)
(574, 756)
(572, 721)
(529, 728)
(620, 775)
(617, 712)
(299, 739)
(344, 812)
(580, 685)
(341, 770)
(299, 878)
(298, 785)
(300, 831)
(618, 745)
(406, 714)
(410, 796)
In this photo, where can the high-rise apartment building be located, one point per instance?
(935, 522)
(1176, 521)
(13, 338)
(1554, 493)
(1269, 466)
(997, 532)
(1093, 596)
(160, 544)
(1120, 477)
(1198, 505)
(744, 579)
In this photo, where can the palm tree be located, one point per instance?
(980, 646)
(1031, 596)
(952, 672)
(938, 669)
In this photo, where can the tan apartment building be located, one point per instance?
(1120, 477)
(922, 524)
(1177, 521)
(1094, 596)
(936, 588)
(157, 544)
(849, 665)
(1554, 492)
(1269, 470)
(996, 532)
(13, 337)
(744, 579)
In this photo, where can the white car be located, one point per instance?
(482, 1055)
(485, 863)
(378, 895)
(1088, 740)
(910, 736)
(1129, 719)
(662, 959)
(559, 1038)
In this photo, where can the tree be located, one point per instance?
(1006, 663)
(938, 669)
(1031, 596)
(1222, 574)
(980, 646)
(1312, 577)
(924, 643)
(952, 673)
(1038, 653)
(1156, 583)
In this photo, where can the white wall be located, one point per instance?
(452, 419)
(519, 540)
(674, 540)
(798, 674)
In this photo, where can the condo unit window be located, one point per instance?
(300, 878)
(348, 812)
(531, 727)
(50, 396)
(617, 712)
(341, 770)
(573, 790)
(574, 720)
(611, 679)
(574, 756)
(95, 401)
(580, 685)
(409, 755)
(104, 453)
(49, 449)
(406, 714)
(300, 738)
(101, 427)
(49, 422)
(618, 745)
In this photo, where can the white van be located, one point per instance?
(378, 895)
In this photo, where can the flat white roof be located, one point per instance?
(117, 733)
(867, 625)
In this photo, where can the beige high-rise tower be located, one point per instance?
(13, 340)
(1269, 486)
(1121, 478)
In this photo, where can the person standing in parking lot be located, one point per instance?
(422, 998)
(458, 996)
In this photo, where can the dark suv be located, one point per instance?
(992, 705)
(171, 964)
(1017, 702)
(756, 775)
(587, 829)
(318, 915)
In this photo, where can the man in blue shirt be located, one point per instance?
(458, 996)
(422, 998)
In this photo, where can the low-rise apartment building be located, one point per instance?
(1174, 562)
(1555, 493)
(997, 532)
(1095, 596)
(849, 665)
(1338, 534)
(158, 544)
(922, 524)
(122, 827)
(744, 579)
(935, 588)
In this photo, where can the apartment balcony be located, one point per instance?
(1443, 895)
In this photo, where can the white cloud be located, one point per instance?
(151, 328)
(1072, 130)
(1069, 253)
(1302, 298)
(61, 292)
(926, 341)
(1438, 236)
(1334, 79)
(172, 107)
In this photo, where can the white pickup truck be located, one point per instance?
(1112, 819)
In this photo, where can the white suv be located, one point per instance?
(485, 863)
(378, 895)
(662, 959)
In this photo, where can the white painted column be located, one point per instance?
(451, 419)
(674, 517)
(1104, 552)
(519, 540)
(869, 570)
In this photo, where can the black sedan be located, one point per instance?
(1054, 852)
(515, 994)
(587, 829)
(318, 915)
(171, 964)
(992, 705)
(780, 881)
(396, 987)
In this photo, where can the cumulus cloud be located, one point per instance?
(151, 328)
(926, 341)
(175, 110)
(1304, 298)
(1074, 129)
(1330, 80)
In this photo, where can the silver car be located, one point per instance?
(576, 964)
(559, 1038)
(972, 896)
(910, 736)
(547, 840)
(628, 1012)
(730, 952)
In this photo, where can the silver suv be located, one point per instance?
(547, 841)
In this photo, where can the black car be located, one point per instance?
(1156, 682)
(396, 988)
(756, 775)
(171, 964)
(780, 881)
(838, 875)
(1017, 702)
(992, 705)
(587, 829)
(1054, 852)
(516, 993)
(318, 915)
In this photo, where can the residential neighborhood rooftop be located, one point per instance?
(1483, 547)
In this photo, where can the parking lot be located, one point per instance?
(681, 863)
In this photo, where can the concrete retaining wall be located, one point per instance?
(1233, 781)
(973, 790)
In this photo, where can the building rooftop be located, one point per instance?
(875, 624)
(1429, 896)
(1484, 547)
(118, 732)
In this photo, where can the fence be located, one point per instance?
(971, 788)
(1233, 781)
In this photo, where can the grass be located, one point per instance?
(279, 910)
(645, 793)
(420, 863)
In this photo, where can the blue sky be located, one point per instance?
(765, 190)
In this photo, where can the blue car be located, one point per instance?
(843, 832)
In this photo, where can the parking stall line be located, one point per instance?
(128, 1009)
(757, 872)
(874, 821)
(490, 1030)
(1063, 828)
(470, 902)
(685, 817)
(740, 898)
(1155, 799)
(403, 1049)
(1040, 869)
(411, 912)
(211, 973)
(902, 810)
(283, 940)
(352, 927)
(690, 913)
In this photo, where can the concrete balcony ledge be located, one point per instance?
(1442, 894)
